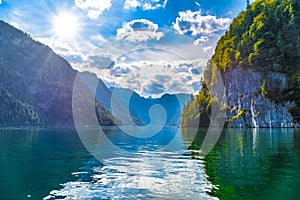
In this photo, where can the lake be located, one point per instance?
(51, 163)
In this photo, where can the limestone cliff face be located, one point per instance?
(247, 107)
(259, 60)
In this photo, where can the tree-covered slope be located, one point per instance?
(264, 37)
(36, 85)
(263, 41)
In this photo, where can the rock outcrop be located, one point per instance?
(247, 106)
(258, 58)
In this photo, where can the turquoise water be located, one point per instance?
(36, 161)
(245, 164)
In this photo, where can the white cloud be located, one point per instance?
(98, 38)
(131, 4)
(171, 65)
(196, 24)
(145, 4)
(204, 29)
(95, 59)
(208, 48)
(0, 2)
(94, 8)
(93, 14)
(201, 40)
(71, 53)
(139, 30)
(153, 78)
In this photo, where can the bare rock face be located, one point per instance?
(246, 104)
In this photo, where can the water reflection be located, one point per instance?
(112, 142)
(142, 169)
(33, 161)
(244, 164)
(255, 164)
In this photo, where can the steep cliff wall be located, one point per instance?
(246, 104)
(259, 61)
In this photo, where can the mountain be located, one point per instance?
(36, 85)
(128, 101)
(259, 61)
(97, 87)
(139, 107)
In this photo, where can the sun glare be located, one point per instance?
(65, 26)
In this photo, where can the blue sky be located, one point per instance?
(93, 34)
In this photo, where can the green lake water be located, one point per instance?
(52, 163)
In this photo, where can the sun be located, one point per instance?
(65, 25)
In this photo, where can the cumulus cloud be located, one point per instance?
(163, 78)
(149, 78)
(149, 71)
(196, 24)
(131, 4)
(205, 29)
(64, 49)
(96, 60)
(208, 48)
(155, 78)
(172, 65)
(145, 4)
(139, 30)
(203, 39)
(98, 38)
(153, 88)
(94, 8)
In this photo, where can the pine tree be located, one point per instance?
(248, 3)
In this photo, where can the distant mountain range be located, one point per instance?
(138, 106)
(36, 88)
(36, 84)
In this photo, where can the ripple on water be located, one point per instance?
(164, 175)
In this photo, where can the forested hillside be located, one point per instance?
(263, 41)
(36, 84)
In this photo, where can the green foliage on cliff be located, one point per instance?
(196, 112)
(266, 38)
(263, 89)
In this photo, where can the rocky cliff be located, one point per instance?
(246, 103)
(258, 60)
